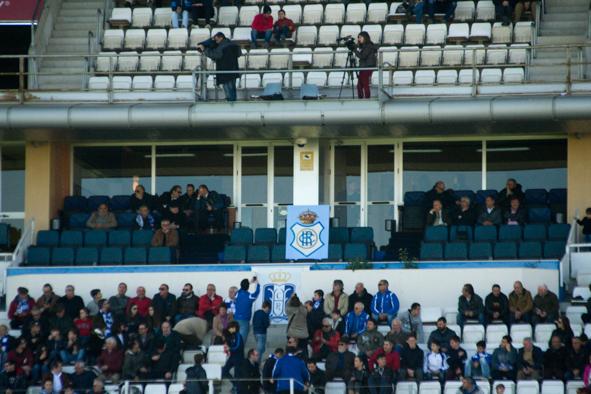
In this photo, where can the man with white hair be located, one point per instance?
(546, 307)
(356, 322)
(110, 362)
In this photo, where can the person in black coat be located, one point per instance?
(164, 303)
(380, 380)
(576, 361)
(555, 360)
(490, 215)
(164, 362)
(81, 380)
(268, 387)
(209, 205)
(464, 214)
(340, 364)
(437, 216)
(317, 376)
(139, 198)
(511, 190)
(530, 361)
(515, 214)
(225, 53)
(496, 306)
(249, 374)
(360, 295)
(315, 312)
(439, 192)
(72, 303)
(196, 382)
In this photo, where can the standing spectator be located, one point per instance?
(356, 322)
(48, 301)
(325, 340)
(396, 335)
(369, 340)
(220, 323)
(479, 364)
(442, 335)
(20, 308)
(164, 303)
(337, 300)
(118, 302)
(225, 54)
(209, 204)
(92, 306)
(380, 380)
(164, 361)
(437, 216)
(110, 362)
(456, 359)
(576, 360)
(385, 304)
(435, 364)
(340, 363)
(512, 188)
(290, 367)
(555, 359)
(283, 27)
(586, 223)
(262, 27)
(515, 215)
(496, 306)
(358, 382)
(209, 304)
(250, 374)
(143, 303)
(411, 321)
(139, 198)
(104, 320)
(196, 382)
(102, 219)
(317, 377)
(439, 192)
(72, 303)
(470, 306)
(464, 213)
(234, 344)
(180, 10)
(315, 311)
(546, 307)
(520, 304)
(135, 363)
(504, 360)
(144, 220)
(244, 301)
(297, 326)
(187, 305)
(411, 360)
(490, 214)
(268, 385)
(260, 324)
(360, 295)
(366, 51)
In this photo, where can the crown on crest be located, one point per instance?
(308, 217)
(279, 277)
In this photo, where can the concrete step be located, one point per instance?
(82, 5)
(565, 17)
(561, 40)
(77, 13)
(562, 32)
(567, 3)
(572, 24)
(54, 49)
(555, 54)
(76, 20)
(67, 40)
(68, 63)
(566, 9)
(80, 26)
(70, 33)
(64, 81)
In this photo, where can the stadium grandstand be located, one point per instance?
(295, 196)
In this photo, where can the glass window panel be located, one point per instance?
(534, 164)
(254, 217)
(380, 173)
(254, 175)
(347, 173)
(283, 182)
(12, 188)
(348, 215)
(376, 218)
(206, 164)
(111, 170)
(279, 217)
(458, 164)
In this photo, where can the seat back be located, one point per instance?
(362, 235)
(534, 232)
(436, 234)
(485, 233)
(87, 256)
(95, 201)
(160, 255)
(134, 256)
(530, 250)
(355, 251)
(95, 238)
(111, 256)
(338, 235)
(480, 251)
(509, 233)
(258, 254)
(62, 256)
(505, 250)
(431, 251)
(456, 251)
(142, 238)
(234, 254)
(71, 238)
(48, 238)
(265, 236)
(241, 236)
(119, 238)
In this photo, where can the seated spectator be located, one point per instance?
(411, 360)
(118, 302)
(139, 198)
(546, 307)
(439, 192)
(576, 360)
(555, 359)
(174, 215)
(512, 188)
(325, 340)
(396, 335)
(523, 5)
(73, 351)
(262, 27)
(446, 7)
(81, 380)
(442, 335)
(92, 306)
(164, 361)
(145, 337)
(164, 303)
(166, 235)
(563, 330)
(370, 340)
(456, 359)
(338, 323)
(36, 318)
(470, 306)
(202, 9)
(435, 364)
(102, 219)
(110, 362)
(359, 379)
(180, 10)
(144, 219)
(587, 373)
(134, 319)
(515, 215)
(479, 364)
(586, 223)
(220, 323)
(173, 195)
(60, 321)
(20, 308)
(520, 304)
(210, 209)
(411, 322)
(196, 376)
(315, 311)
(356, 322)
(59, 380)
(283, 27)
(339, 364)
(496, 306)
(380, 380)
(490, 214)
(48, 301)
(359, 295)
(10, 381)
(392, 357)
(337, 300)
(504, 360)
(187, 305)
(143, 303)
(317, 377)
(437, 216)
(47, 387)
(72, 303)
(385, 304)
(464, 213)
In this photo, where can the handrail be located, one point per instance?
(99, 22)
(89, 60)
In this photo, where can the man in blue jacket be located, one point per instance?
(180, 8)
(244, 301)
(385, 304)
(291, 367)
(356, 322)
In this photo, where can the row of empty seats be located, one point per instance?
(270, 236)
(529, 232)
(143, 82)
(85, 256)
(276, 253)
(74, 238)
(501, 250)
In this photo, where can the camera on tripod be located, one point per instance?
(348, 41)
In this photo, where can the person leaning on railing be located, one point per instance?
(225, 53)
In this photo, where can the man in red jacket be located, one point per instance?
(283, 28)
(392, 357)
(325, 340)
(209, 304)
(143, 303)
(20, 308)
(262, 27)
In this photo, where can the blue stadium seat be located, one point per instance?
(120, 203)
(485, 233)
(78, 220)
(414, 199)
(455, 251)
(539, 215)
(413, 218)
(119, 238)
(142, 238)
(4, 235)
(75, 204)
(95, 201)
(480, 251)
(281, 237)
(338, 235)
(505, 250)
(134, 256)
(362, 235)
(278, 253)
(160, 255)
(435, 234)
(125, 220)
(482, 194)
(554, 249)
(258, 254)
(558, 232)
(536, 198)
(71, 238)
(95, 238)
(460, 233)
(530, 250)
(508, 232)
(355, 251)
(557, 196)
(466, 193)
(431, 251)
(111, 256)
(38, 256)
(234, 254)
(48, 238)
(534, 232)
(241, 236)
(87, 256)
(335, 252)
(265, 236)
(62, 256)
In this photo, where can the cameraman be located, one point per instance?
(366, 51)
(225, 53)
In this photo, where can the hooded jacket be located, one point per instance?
(225, 54)
(386, 302)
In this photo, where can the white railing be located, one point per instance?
(18, 255)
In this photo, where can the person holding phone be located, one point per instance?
(244, 301)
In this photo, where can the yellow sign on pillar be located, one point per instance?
(307, 161)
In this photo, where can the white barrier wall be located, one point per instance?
(430, 286)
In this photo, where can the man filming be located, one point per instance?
(366, 51)
(225, 53)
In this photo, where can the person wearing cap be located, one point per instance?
(262, 27)
(225, 53)
(20, 308)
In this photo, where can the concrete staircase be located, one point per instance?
(565, 22)
(69, 37)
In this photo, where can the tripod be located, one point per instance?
(349, 64)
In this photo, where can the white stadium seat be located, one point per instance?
(241, 34)
(430, 314)
(313, 14)
(390, 58)
(156, 38)
(322, 57)
(452, 387)
(307, 35)
(518, 331)
(523, 32)
(414, 34)
(502, 34)
(447, 77)
(464, 11)
(430, 388)
(573, 385)
(135, 39)
(496, 54)
(430, 56)
(106, 61)
(356, 13)
(583, 292)
(198, 35)
(155, 388)
(474, 54)
(142, 82)
(164, 82)
(257, 59)
(279, 58)
(574, 314)
(452, 55)
(375, 33)
(528, 387)
(301, 56)
(350, 30)
(142, 17)
(403, 78)
(176, 388)
(495, 332)
(181, 374)
(327, 35)
(227, 16)
(334, 14)
(162, 17)
(518, 54)
(577, 328)
(120, 17)
(294, 79)
(485, 10)
(213, 371)
(469, 76)
(250, 81)
(513, 75)
(335, 388)
(552, 387)
(247, 14)
(294, 12)
(408, 57)
(509, 386)
(458, 32)
(473, 333)
(128, 61)
(149, 61)
(172, 61)
(225, 30)
(338, 78)
(436, 34)
(376, 12)
(393, 14)
(316, 78)
(375, 78)
(340, 57)
(113, 39)
(393, 34)
(480, 32)
(272, 78)
(407, 387)
(98, 83)
(425, 77)
(192, 60)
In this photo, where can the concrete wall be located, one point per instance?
(579, 174)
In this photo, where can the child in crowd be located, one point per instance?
(479, 364)
(435, 366)
(84, 326)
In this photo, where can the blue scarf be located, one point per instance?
(140, 221)
(23, 306)
(108, 319)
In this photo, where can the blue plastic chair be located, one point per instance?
(241, 236)
(119, 238)
(258, 254)
(95, 201)
(120, 203)
(355, 251)
(335, 252)
(160, 255)
(431, 251)
(485, 233)
(234, 254)
(554, 249)
(142, 238)
(38, 256)
(414, 199)
(111, 256)
(48, 238)
(265, 236)
(282, 236)
(436, 234)
(558, 232)
(75, 204)
(480, 251)
(362, 235)
(95, 238)
(509, 232)
(505, 250)
(278, 253)
(338, 235)
(530, 250)
(536, 198)
(71, 238)
(461, 233)
(557, 196)
(539, 215)
(62, 256)
(87, 256)
(455, 251)
(135, 256)
(534, 232)
(4, 235)
(125, 220)
(78, 220)
(466, 193)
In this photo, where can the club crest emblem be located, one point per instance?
(306, 234)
